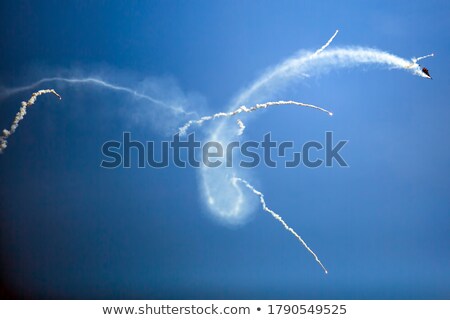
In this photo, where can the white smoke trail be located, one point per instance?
(417, 69)
(21, 114)
(282, 69)
(241, 109)
(99, 82)
(424, 57)
(222, 198)
(278, 217)
(241, 126)
(326, 44)
(310, 64)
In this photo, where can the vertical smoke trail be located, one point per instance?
(278, 217)
(20, 115)
(241, 109)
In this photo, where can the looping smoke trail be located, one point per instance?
(177, 110)
(20, 115)
(278, 217)
(220, 200)
(241, 109)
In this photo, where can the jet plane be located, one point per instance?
(425, 71)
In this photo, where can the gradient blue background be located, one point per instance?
(72, 230)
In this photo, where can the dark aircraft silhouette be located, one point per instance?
(425, 70)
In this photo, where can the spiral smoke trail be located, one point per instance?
(278, 217)
(222, 198)
(20, 115)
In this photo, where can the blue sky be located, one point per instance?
(70, 229)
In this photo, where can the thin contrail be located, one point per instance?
(99, 82)
(424, 57)
(279, 218)
(318, 51)
(241, 109)
(20, 115)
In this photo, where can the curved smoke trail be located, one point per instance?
(424, 57)
(221, 192)
(241, 109)
(222, 198)
(99, 82)
(20, 115)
